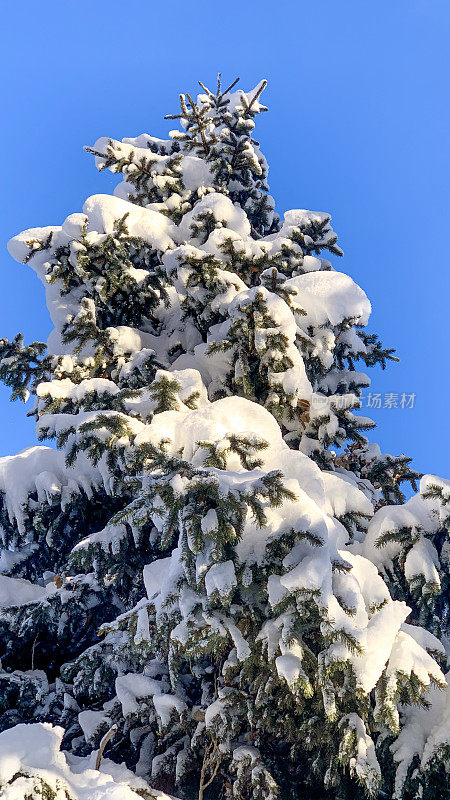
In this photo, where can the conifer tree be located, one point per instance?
(213, 576)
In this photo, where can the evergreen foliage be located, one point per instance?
(213, 577)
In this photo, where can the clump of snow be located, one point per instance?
(76, 392)
(31, 753)
(221, 578)
(363, 763)
(103, 210)
(406, 530)
(377, 642)
(423, 559)
(424, 731)
(167, 706)
(154, 574)
(289, 667)
(225, 213)
(16, 592)
(132, 687)
(184, 430)
(91, 722)
(42, 470)
(414, 514)
(328, 298)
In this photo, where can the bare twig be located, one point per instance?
(211, 759)
(109, 735)
(33, 649)
(256, 95)
(230, 87)
(205, 88)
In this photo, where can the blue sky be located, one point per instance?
(358, 126)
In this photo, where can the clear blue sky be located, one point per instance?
(358, 126)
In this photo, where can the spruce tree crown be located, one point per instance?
(212, 578)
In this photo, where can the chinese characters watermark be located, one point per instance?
(388, 400)
(373, 400)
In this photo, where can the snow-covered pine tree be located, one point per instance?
(213, 577)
